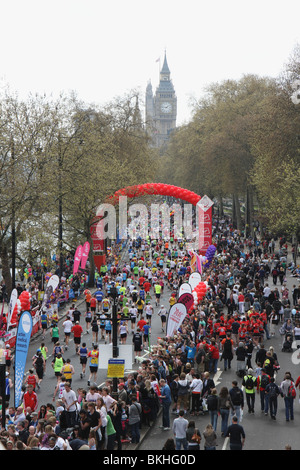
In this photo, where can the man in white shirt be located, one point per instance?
(180, 425)
(68, 325)
(70, 400)
(267, 291)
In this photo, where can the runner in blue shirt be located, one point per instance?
(83, 354)
(99, 297)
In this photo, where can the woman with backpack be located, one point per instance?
(213, 406)
(288, 391)
(183, 393)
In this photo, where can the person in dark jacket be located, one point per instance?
(273, 391)
(208, 385)
(236, 435)
(261, 355)
(241, 355)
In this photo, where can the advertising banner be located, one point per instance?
(194, 279)
(186, 299)
(175, 318)
(77, 258)
(204, 207)
(21, 351)
(12, 303)
(50, 288)
(185, 288)
(85, 254)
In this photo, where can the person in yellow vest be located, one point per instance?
(140, 306)
(250, 383)
(67, 371)
(57, 365)
(172, 300)
(157, 290)
(105, 305)
(93, 356)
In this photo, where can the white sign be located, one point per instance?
(185, 288)
(194, 279)
(176, 316)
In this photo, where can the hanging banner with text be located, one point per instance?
(21, 351)
(85, 254)
(204, 207)
(77, 258)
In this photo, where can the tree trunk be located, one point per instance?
(251, 212)
(238, 212)
(221, 213)
(91, 282)
(6, 268)
(233, 212)
(249, 229)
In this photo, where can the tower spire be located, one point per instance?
(165, 68)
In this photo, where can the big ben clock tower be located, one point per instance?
(161, 109)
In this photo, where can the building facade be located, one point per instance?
(161, 108)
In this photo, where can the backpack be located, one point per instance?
(291, 391)
(264, 381)
(272, 390)
(212, 403)
(227, 346)
(236, 397)
(249, 384)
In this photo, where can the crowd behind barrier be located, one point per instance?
(247, 302)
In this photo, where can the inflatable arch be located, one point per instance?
(203, 205)
(155, 188)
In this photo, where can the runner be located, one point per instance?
(163, 317)
(157, 290)
(68, 325)
(93, 356)
(77, 331)
(83, 354)
(68, 371)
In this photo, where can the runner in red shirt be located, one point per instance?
(93, 304)
(77, 330)
(31, 380)
(141, 323)
(147, 286)
(30, 399)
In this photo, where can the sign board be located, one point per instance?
(116, 368)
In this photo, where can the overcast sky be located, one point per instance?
(103, 49)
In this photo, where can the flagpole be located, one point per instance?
(158, 60)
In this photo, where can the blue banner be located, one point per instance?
(21, 351)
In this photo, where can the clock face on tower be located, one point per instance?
(166, 107)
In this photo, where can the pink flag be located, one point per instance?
(199, 263)
(77, 259)
(85, 254)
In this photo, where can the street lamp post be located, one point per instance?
(115, 350)
(3, 382)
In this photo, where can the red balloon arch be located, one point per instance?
(155, 188)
